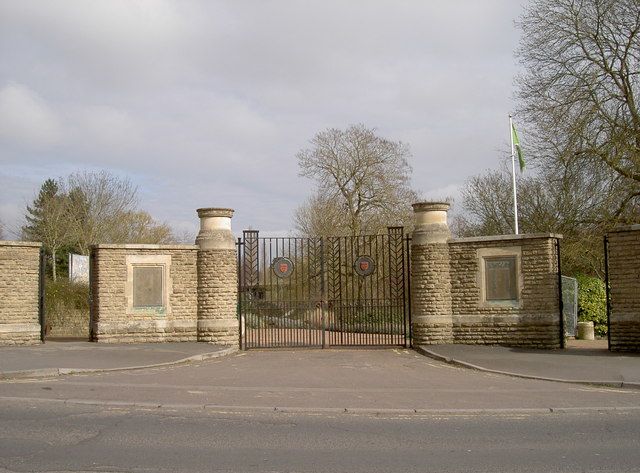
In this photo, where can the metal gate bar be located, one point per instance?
(310, 292)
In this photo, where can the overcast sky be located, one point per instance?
(205, 103)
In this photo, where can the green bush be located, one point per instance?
(592, 303)
(63, 294)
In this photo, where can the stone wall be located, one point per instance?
(168, 293)
(115, 318)
(624, 283)
(217, 296)
(67, 323)
(532, 321)
(449, 289)
(189, 292)
(19, 293)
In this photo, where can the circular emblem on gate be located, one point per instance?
(283, 267)
(365, 266)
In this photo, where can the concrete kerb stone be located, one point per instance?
(325, 410)
(55, 372)
(26, 374)
(452, 361)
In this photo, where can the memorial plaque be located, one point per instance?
(148, 286)
(501, 279)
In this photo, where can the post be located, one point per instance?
(513, 175)
(217, 278)
(431, 318)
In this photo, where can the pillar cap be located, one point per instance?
(215, 229)
(431, 206)
(430, 223)
(215, 212)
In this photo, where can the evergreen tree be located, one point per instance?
(35, 217)
(48, 222)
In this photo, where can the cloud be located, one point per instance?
(115, 44)
(449, 193)
(205, 103)
(26, 119)
(103, 126)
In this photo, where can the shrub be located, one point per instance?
(592, 303)
(63, 294)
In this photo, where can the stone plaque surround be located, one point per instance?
(491, 292)
(149, 285)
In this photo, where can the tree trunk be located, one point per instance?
(53, 265)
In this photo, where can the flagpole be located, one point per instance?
(513, 173)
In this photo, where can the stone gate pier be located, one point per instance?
(487, 290)
(217, 278)
(168, 293)
(502, 290)
(431, 314)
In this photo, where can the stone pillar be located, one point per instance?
(624, 281)
(217, 278)
(431, 319)
(20, 293)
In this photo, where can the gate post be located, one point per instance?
(217, 278)
(431, 317)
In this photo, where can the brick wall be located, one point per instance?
(113, 317)
(19, 293)
(624, 283)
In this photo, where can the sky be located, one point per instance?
(205, 103)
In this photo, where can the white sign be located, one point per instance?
(79, 268)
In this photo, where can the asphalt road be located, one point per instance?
(50, 437)
(378, 381)
(315, 411)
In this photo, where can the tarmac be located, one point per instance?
(583, 361)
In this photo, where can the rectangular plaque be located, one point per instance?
(148, 287)
(501, 279)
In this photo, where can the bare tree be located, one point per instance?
(320, 215)
(140, 227)
(580, 89)
(98, 204)
(553, 203)
(362, 182)
(487, 206)
(86, 208)
(2, 237)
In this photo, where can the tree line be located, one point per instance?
(70, 214)
(578, 113)
(578, 102)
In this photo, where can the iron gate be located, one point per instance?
(318, 292)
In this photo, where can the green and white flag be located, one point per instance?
(516, 145)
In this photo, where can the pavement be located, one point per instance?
(587, 362)
(61, 357)
(582, 362)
